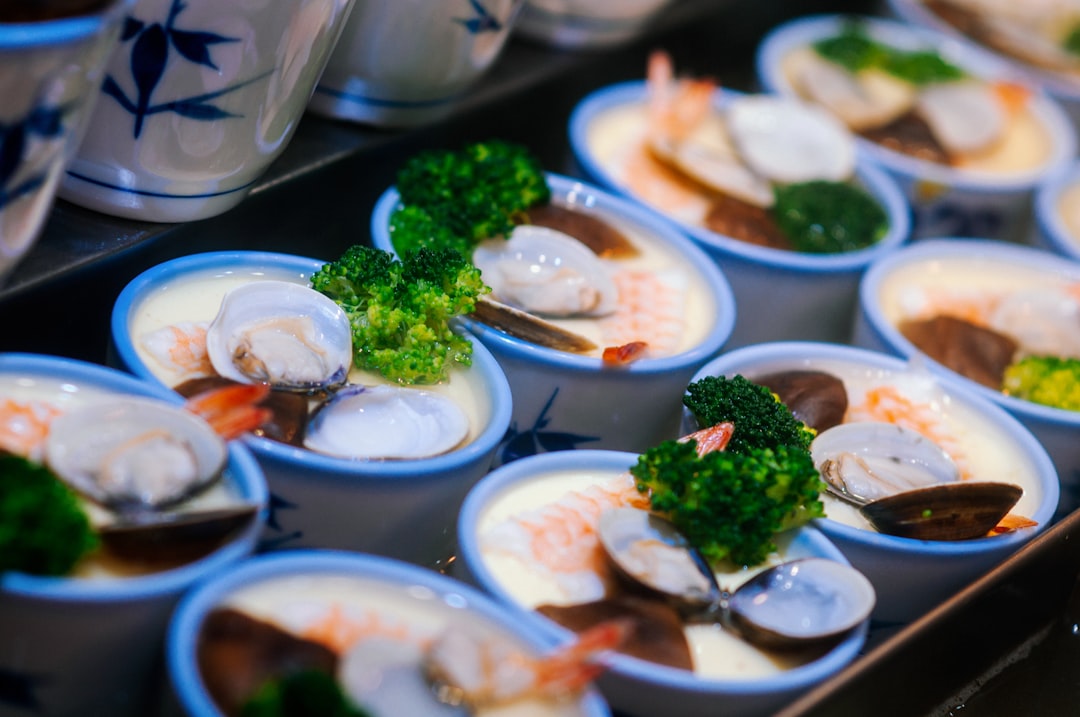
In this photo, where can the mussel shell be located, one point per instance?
(174, 537)
(101, 450)
(602, 238)
(951, 511)
(801, 603)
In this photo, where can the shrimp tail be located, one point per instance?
(713, 438)
(233, 410)
(576, 665)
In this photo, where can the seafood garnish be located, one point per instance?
(528, 327)
(386, 422)
(865, 101)
(280, 333)
(965, 117)
(546, 272)
(1042, 320)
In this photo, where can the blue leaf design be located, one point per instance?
(560, 441)
(148, 58)
(194, 110)
(46, 121)
(195, 46)
(110, 88)
(132, 27)
(12, 146)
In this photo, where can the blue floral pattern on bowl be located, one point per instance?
(15, 141)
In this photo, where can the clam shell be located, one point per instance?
(281, 333)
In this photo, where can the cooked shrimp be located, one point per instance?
(24, 426)
(651, 309)
(180, 348)
(232, 410)
(560, 540)
(713, 438)
(340, 630)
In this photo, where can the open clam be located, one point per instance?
(795, 605)
(906, 485)
(281, 333)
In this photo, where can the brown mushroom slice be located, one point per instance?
(817, 398)
(973, 351)
(605, 240)
(910, 134)
(529, 327)
(743, 221)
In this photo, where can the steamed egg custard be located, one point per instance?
(375, 640)
(538, 540)
(172, 335)
(42, 415)
(909, 99)
(769, 171)
(1068, 206)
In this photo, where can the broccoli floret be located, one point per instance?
(400, 311)
(310, 692)
(43, 528)
(731, 505)
(854, 50)
(760, 419)
(459, 198)
(1049, 380)
(829, 217)
(1071, 43)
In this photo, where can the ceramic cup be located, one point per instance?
(1057, 213)
(402, 63)
(199, 97)
(371, 598)
(50, 67)
(527, 534)
(586, 24)
(911, 576)
(780, 294)
(91, 643)
(993, 201)
(1035, 279)
(402, 508)
(568, 400)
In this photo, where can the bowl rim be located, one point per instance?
(15, 36)
(1048, 217)
(417, 471)
(1056, 84)
(799, 32)
(501, 478)
(1045, 473)
(978, 250)
(711, 274)
(187, 618)
(882, 187)
(243, 470)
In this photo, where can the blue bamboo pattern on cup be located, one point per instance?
(44, 122)
(483, 22)
(538, 438)
(153, 42)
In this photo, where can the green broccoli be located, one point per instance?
(854, 50)
(1049, 380)
(731, 505)
(400, 311)
(459, 198)
(760, 419)
(43, 527)
(824, 217)
(310, 692)
(1071, 43)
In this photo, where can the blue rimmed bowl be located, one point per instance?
(751, 684)
(401, 508)
(945, 200)
(1057, 213)
(89, 643)
(932, 261)
(566, 400)
(781, 294)
(413, 602)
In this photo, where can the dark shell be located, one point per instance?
(605, 240)
(528, 327)
(976, 352)
(162, 538)
(816, 398)
(743, 221)
(237, 654)
(289, 411)
(909, 134)
(950, 511)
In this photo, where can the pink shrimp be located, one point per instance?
(651, 309)
(340, 631)
(181, 348)
(232, 410)
(886, 403)
(24, 426)
(974, 307)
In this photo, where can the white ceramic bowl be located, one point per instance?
(912, 576)
(90, 644)
(1056, 198)
(1064, 88)
(415, 602)
(566, 400)
(404, 508)
(946, 201)
(780, 294)
(1055, 428)
(634, 686)
(586, 24)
